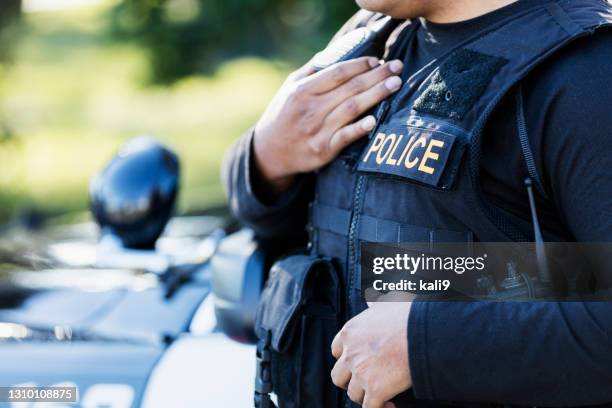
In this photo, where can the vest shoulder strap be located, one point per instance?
(464, 86)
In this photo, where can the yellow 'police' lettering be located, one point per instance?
(430, 155)
(378, 141)
(410, 163)
(390, 138)
(406, 148)
(419, 149)
(391, 160)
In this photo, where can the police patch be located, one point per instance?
(418, 153)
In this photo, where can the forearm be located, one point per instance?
(550, 354)
(283, 216)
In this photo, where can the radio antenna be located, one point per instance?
(543, 270)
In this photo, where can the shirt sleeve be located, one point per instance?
(541, 353)
(535, 354)
(575, 147)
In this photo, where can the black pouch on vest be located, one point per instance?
(298, 316)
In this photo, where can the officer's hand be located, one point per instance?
(312, 117)
(372, 354)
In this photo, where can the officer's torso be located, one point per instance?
(417, 177)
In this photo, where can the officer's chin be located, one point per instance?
(400, 9)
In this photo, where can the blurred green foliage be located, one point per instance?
(10, 18)
(78, 82)
(10, 13)
(73, 95)
(184, 37)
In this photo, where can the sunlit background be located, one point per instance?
(79, 77)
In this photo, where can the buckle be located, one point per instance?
(263, 375)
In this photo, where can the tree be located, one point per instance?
(10, 15)
(193, 36)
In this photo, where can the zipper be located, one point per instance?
(380, 115)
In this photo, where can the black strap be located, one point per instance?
(373, 229)
(263, 374)
(525, 145)
(563, 19)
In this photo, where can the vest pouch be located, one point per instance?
(298, 316)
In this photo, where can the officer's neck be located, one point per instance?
(460, 10)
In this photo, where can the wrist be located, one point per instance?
(271, 172)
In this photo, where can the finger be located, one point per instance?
(372, 402)
(336, 346)
(363, 82)
(355, 391)
(340, 375)
(355, 106)
(303, 72)
(389, 404)
(337, 74)
(350, 134)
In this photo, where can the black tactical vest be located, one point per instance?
(417, 177)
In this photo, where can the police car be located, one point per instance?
(137, 325)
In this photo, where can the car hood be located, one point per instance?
(105, 374)
(53, 287)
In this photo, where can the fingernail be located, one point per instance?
(368, 123)
(393, 83)
(374, 62)
(396, 66)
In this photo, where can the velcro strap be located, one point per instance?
(332, 219)
(563, 19)
(373, 229)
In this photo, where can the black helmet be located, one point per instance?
(133, 196)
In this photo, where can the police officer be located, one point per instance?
(484, 94)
